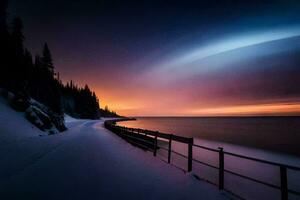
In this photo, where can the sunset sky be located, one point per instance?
(174, 58)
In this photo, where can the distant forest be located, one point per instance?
(36, 77)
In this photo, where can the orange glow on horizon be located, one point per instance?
(250, 110)
(131, 108)
(145, 101)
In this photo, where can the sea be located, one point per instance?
(277, 134)
(275, 139)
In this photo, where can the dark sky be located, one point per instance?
(185, 54)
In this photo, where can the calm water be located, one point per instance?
(238, 135)
(281, 134)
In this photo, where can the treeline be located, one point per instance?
(36, 78)
(80, 102)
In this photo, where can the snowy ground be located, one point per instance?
(85, 162)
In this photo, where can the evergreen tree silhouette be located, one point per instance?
(29, 70)
(17, 70)
(48, 91)
(47, 59)
(19, 74)
(35, 81)
(4, 47)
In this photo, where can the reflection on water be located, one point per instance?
(281, 134)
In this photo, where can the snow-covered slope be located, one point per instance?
(85, 162)
(38, 114)
(13, 125)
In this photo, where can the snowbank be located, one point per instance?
(38, 114)
(87, 162)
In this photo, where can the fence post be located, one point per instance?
(190, 154)
(284, 183)
(221, 168)
(170, 149)
(155, 144)
(120, 131)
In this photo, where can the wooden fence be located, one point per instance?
(148, 139)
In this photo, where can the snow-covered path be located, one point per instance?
(89, 162)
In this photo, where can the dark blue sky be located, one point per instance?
(119, 28)
(202, 53)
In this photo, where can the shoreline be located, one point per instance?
(275, 134)
(233, 148)
(238, 164)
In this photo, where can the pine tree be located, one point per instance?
(47, 59)
(28, 65)
(35, 78)
(17, 71)
(3, 15)
(17, 37)
(4, 47)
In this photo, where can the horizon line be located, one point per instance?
(215, 116)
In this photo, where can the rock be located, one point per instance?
(38, 114)
(20, 102)
(38, 118)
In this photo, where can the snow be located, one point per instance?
(85, 162)
(14, 126)
(68, 118)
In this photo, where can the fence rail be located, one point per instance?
(148, 139)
